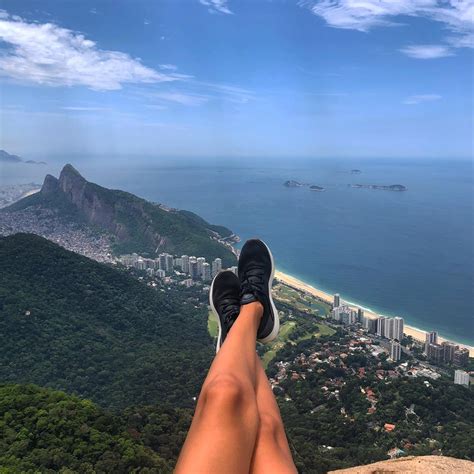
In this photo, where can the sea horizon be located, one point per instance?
(405, 254)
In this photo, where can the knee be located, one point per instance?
(271, 424)
(226, 390)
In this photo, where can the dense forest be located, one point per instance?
(70, 323)
(43, 430)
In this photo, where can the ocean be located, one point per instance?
(407, 253)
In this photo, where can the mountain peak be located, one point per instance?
(69, 170)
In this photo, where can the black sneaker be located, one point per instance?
(256, 270)
(224, 298)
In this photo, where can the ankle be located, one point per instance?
(255, 308)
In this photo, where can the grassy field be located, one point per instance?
(285, 331)
(301, 301)
(212, 325)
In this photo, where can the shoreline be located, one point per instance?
(412, 331)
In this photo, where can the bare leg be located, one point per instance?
(272, 453)
(224, 428)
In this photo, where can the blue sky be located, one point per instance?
(255, 78)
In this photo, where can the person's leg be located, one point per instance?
(272, 453)
(224, 427)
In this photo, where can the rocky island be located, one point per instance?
(296, 184)
(356, 171)
(391, 187)
(291, 183)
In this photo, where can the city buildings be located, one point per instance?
(395, 351)
(337, 300)
(184, 263)
(461, 378)
(216, 266)
(431, 338)
(206, 272)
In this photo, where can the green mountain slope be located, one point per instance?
(73, 324)
(47, 431)
(135, 224)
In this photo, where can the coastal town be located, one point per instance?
(382, 335)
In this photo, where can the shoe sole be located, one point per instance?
(214, 310)
(276, 319)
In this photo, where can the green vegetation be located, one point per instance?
(73, 324)
(141, 354)
(212, 326)
(47, 431)
(301, 301)
(327, 417)
(136, 224)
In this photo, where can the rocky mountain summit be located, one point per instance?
(136, 225)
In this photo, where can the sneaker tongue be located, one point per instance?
(248, 298)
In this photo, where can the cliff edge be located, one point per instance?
(413, 464)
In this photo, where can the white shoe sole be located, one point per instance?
(214, 310)
(276, 319)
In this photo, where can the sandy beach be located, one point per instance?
(408, 330)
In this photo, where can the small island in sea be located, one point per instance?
(291, 183)
(391, 187)
(355, 171)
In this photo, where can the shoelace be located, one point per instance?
(230, 310)
(252, 281)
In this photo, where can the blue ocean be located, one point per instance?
(405, 253)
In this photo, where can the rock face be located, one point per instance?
(413, 464)
(136, 224)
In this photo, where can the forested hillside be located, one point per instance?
(42, 430)
(73, 324)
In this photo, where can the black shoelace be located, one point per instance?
(252, 282)
(230, 310)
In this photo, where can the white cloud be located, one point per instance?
(427, 51)
(168, 67)
(457, 16)
(83, 109)
(216, 6)
(418, 99)
(182, 98)
(45, 53)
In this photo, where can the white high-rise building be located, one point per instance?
(185, 263)
(395, 351)
(206, 272)
(388, 328)
(431, 338)
(234, 269)
(398, 328)
(169, 262)
(337, 300)
(216, 266)
(162, 258)
(461, 378)
(381, 326)
(200, 262)
(193, 268)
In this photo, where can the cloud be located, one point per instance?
(181, 98)
(216, 6)
(168, 67)
(44, 53)
(83, 109)
(457, 16)
(427, 51)
(418, 99)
